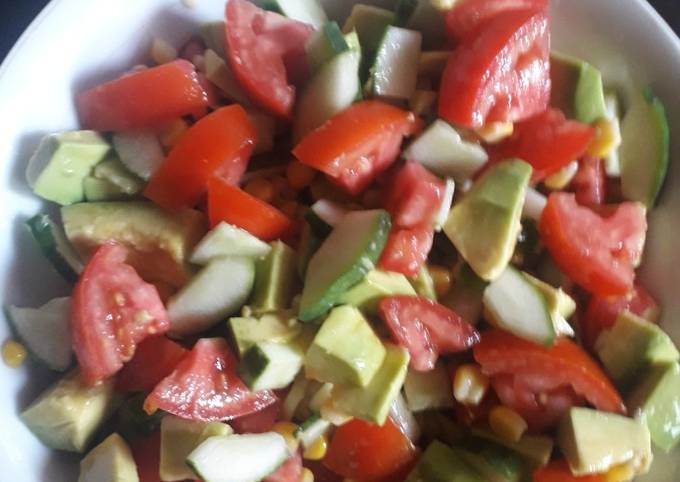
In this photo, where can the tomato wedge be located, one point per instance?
(230, 204)
(258, 422)
(357, 144)
(147, 455)
(500, 75)
(143, 99)
(290, 471)
(413, 196)
(559, 471)
(425, 328)
(260, 45)
(363, 451)
(589, 183)
(547, 141)
(155, 358)
(220, 143)
(113, 310)
(406, 250)
(598, 253)
(204, 386)
(564, 364)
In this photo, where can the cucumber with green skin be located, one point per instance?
(395, 68)
(53, 243)
(305, 11)
(268, 365)
(324, 44)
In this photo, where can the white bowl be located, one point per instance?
(76, 43)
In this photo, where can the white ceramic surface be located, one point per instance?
(76, 43)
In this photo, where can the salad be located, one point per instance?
(403, 248)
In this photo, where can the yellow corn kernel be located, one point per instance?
(162, 52)
(299, 175)
(13, 353)
(507, 424)
(432, 63)
(317, 450)
(607, 138)
(443, 5)
(171, 133)
(620, 473)
(260, 188)
(441, 277)
(469, 384)
(287, 430)
(306, 475)
(422, 102)
(495, 131)
(561, 178)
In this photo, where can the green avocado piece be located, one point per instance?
(577, 88)
(594, 441)
(441, 463)
(373, 402)
(657, 399)
(345, 350)
(484, 225)
(159, 241)
(494, 463)
(110, 461)
(429, 390)
(534, 449)
(632, 345)
(66, 415)
(275, 279)
(424, 284)
(101, 190)
(278, 327)
(114, 171)
(61, 162)
(376, 285)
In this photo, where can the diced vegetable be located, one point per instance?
(227, 240)
(393, 75)
(140, 151)
(53, 243)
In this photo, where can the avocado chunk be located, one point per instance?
(110, 461)
(373, 402)
(657, 399)
(441, 463)
(61, 162)
(271, 366)
(114, 171)
(534, 449)
(96, 189)
(494, 462)
(66, 415)
(424, 284)
(428, 390)
(275, 279)
(179, 438)
(577, 88)
(484, 224)
(631, 346)
(594, 441)
(560, 305)
(376, 285)
(159, 242)
(278, 327)
(345, 350)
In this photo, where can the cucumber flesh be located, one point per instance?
(325, 44)
(313, 428)
(45, 331)
(395, 71)
(295, 396)
(305, 11)
(227, 240)
(140, 151)
(53, 243)
(329, 212)
(269, 365)
(445, 207)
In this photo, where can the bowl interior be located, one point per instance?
(77, 43)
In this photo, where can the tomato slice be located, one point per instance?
(598, 253)
(559, 471)
(589, 183)
(547, 141)
(155, 358)
(204, 386)
(425, 328)
(113, 310)
(467, 17)
(363, 451)
(143, 99)
(500, 75)
(413, 196)
(230, 204)
(220, 143)
(260, 44)
(357, 144)
(406, 250)
(258, 422)
(563, 364)
(147, 455)
(290, 471)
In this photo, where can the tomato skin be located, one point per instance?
(598, 253)
(468, 16)
(589, 183)
(413, 196)
(258, 422)
(563, 364)
(155, 358)
(235, 206)
(559, 471)
(204, 386)
(106, 324)
(500, 75)
(147, 455)
(406, 250)
(290, 471)
(363, 451)
(143, 99)
(220, 143)
(425, 328)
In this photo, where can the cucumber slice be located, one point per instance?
(424, 284)
(319, 227)
(612, 164)
(428, 390)
(45, 331)
(395, 71)
(305, 11)
(514, 304)
(370, 23)
(217, 291)
(324, 44)
(644, 149)
(445, 207)
(312, 428)
(348, 253)
(402, 416)
(270, 365)
(140, 151)
(53, 243)
(115, 172)
(227, 240)
(295, 396)
(328, 211)
(238, 458)
(424, 18)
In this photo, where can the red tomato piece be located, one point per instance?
(425, 328)
(413, 196)
(589, 183)
(147, 455)
(563, 364)
(155, 358)
(406, 250)
(113, 310)
(467, 17)
(260, 45)
(204, 386)
(363, 451)
(220, 143)
(559, 471)
(235, 206)
(356, 145)
(502, 75)
(290, 471)
(598, 253)
(143, 99)
(258, 422)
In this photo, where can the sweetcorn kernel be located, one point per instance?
(13, 353)
(306, 475)
(562, 178)
(443, 5)
(495, 131)
(507, 424)
(317, 450)
(162, 52)
(441, 277)
(620, 473)
(607, 138)
(171, 133)
(470, 384)
(287, 430)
